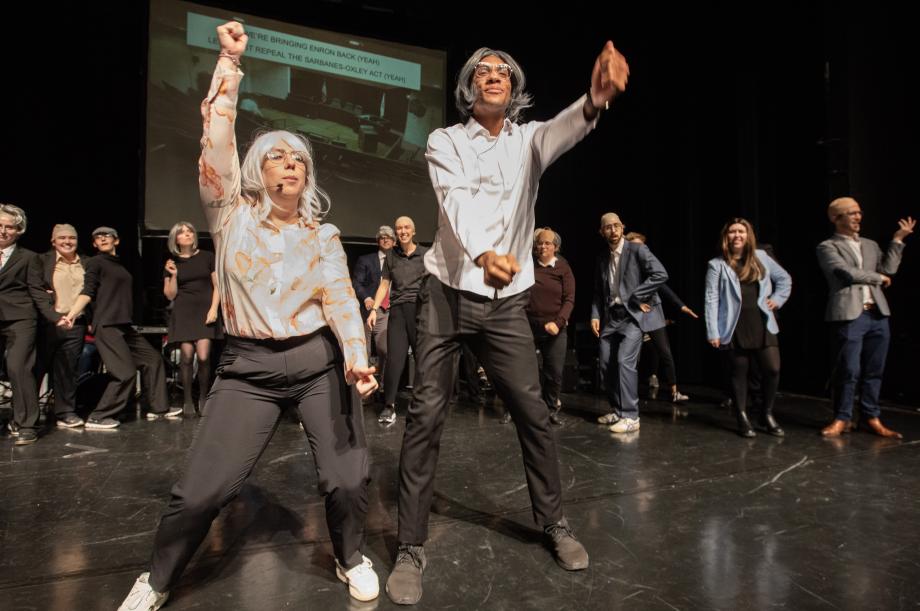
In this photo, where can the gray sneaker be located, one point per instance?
(608, 419)
(99, 424)
(171, 414)
(404, 586)
(569, 553)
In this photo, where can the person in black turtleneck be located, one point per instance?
(123, 350)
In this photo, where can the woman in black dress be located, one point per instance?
(191, 284)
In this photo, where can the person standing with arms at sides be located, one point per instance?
(56, 282)
(743, 289)
(124, 351)
(857, 272)
(485, 175)
(365, 278)
(191, 284)
(402, 275)
(552, 299)
(18, 322)
(294, 338)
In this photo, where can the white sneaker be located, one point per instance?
(608, 418)
(625, 425)
(362, 581)
(142, 597)
(172, 413)
(653, 381)
(679, 397)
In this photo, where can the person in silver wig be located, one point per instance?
(485, 173)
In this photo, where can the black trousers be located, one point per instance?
(400, 336)
(657, 352)
(256, 380)
(499, 335)
(124, 351)
(552, 361)
(17, 345)
(59, 354)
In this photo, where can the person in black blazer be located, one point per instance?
(18, 320)
(365, 278)
(55, 282)
(625, 305)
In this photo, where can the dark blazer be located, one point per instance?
(845, 278)
(365, 277)
(15, 299)
(640, 274)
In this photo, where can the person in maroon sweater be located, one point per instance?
(552, 298)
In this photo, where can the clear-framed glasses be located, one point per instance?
(484, 69)
(276, 156)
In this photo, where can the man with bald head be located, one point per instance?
(625, 305)
(55, 283)
(856, 271)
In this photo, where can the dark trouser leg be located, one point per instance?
(628, 342)
(400, 335)
(848, 345)
(552, 349)
(504, 344)
(662, 347)
(153, 372)
(116, 356)
(438, 347)
(19, 336)
(379, 337)
(240, 420)
(874, 354)
(334, 422)
(68, 345)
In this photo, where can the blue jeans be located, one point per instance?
(621, 337)
(861, 346)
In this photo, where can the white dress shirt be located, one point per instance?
(486, 187)
(6, 253)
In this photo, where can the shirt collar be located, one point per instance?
(850, 238)
(619, 249)
(58, 258)
(552, 262)
(474, 128)
(8, 251)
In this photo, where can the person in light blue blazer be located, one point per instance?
(743, 288)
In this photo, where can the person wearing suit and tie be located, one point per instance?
(365, 278)
(18, 320)
(625, 305)
(55, 283)
(857, 311)
(743, 288)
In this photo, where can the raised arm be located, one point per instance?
(219, 164)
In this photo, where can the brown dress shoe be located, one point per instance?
(881, 430)
(836, 428)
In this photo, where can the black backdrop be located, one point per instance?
(765, 112)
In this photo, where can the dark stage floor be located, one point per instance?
(681, 515)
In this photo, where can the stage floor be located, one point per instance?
(683, 514)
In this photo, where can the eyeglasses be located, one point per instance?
(613, 226)
(103, 235)
(851, 213)
(485, 69)
(276, 156)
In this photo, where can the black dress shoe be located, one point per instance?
(555, 418)
(773, 427)
(744, 424)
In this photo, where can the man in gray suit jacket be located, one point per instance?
(625, 305)
(856, 272)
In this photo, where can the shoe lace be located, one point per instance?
(559, 530)
(410, 553)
